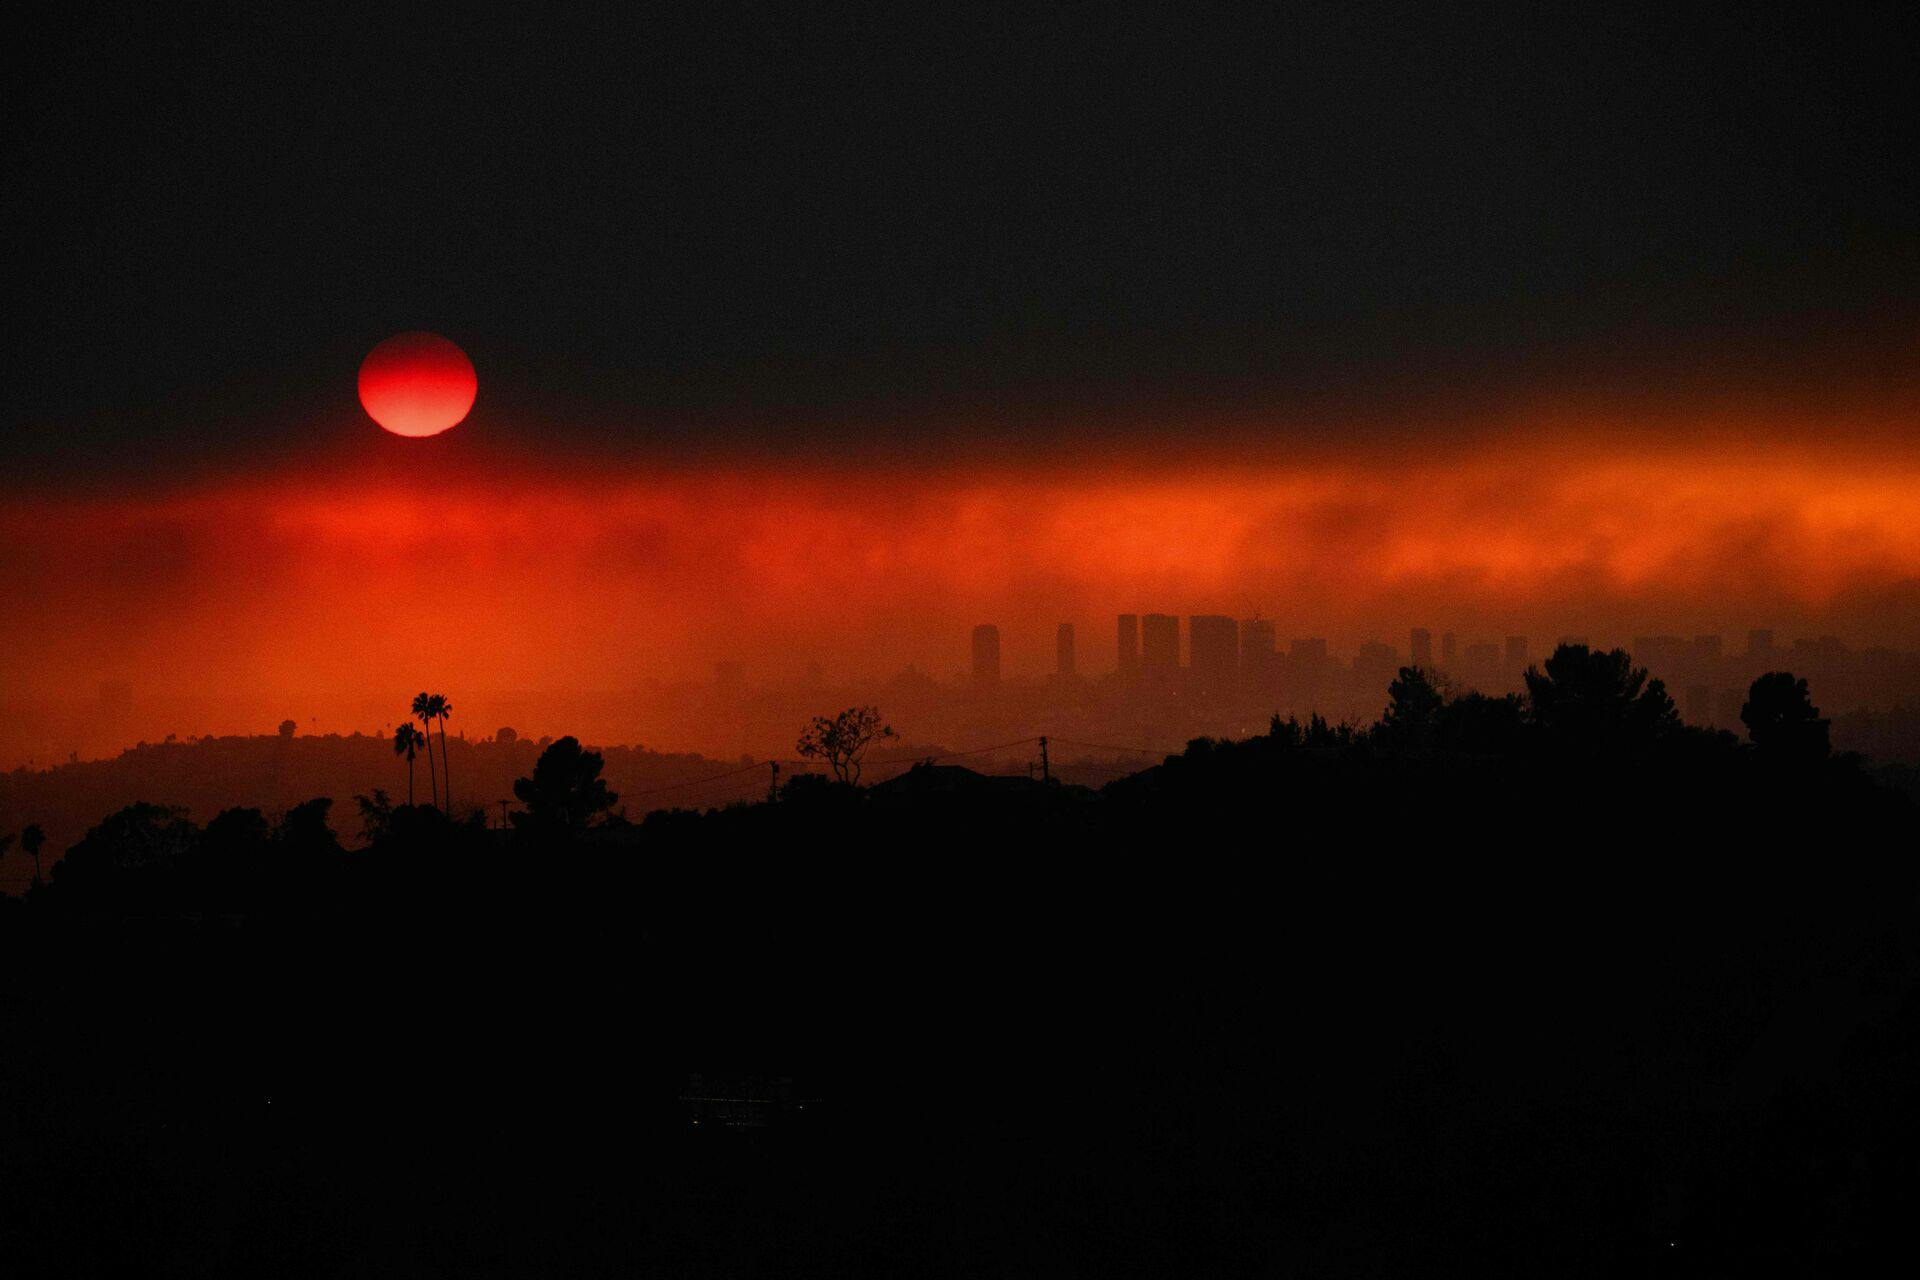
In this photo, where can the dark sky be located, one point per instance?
(770, 222)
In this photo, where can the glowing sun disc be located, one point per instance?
(417, 384)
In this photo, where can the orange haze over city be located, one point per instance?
(325, 586)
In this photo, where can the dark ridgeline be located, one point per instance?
(1513, 984)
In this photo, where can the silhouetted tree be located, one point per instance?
(506, 735)
(376, 815)
(127, 858)
(288, 728)
(423, 712)
(1414, 705)
(31, 840)
(231, 868)
(1483, 725)
(1782, 720)
(238, 826)
(305, 827)
(1598, 701)
(843, 741)
(406, 742)
(566, 792)
(1321, 734)
(440, 708)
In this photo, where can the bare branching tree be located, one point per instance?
(843, 740)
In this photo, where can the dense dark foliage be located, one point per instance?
(1553, 985)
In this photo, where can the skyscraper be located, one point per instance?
(1375, 662)
(1159, 644)
(1129, 645)
(1658, 654)
(1421, 648)
(986, 655)
(1213, 643)
(1256, 650)
(1063, 649)
(1516, 653)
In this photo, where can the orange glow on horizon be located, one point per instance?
(320, 586)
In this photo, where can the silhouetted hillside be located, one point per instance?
(273, 773)
(1498, 986)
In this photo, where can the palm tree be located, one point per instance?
(406, 741)
(423, 712)
(31, 839)
(439, 708)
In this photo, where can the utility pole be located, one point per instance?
(1045, 775)
(503, 815)
(773, 786)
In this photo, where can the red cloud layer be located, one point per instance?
(323, 586)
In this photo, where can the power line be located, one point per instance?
(1102, 746)
(694, 782)
(949, 755)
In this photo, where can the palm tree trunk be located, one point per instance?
(445, 776)
(409, 779)
(432, 778)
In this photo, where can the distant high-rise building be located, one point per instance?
(1159, 644)
(1699, 704)
(1129, 644)
(1256, 648)
(1375, 661)
(1447, 650)
(1063, 649)
(1308, 670)
(1213, 645)
(1760, 643)
(1658, 654)
(986, 654)
(1421, 650)
(1516, 653)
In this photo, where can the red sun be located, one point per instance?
(417, 384)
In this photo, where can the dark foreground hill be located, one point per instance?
(206, 775)
(1402, 1003)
